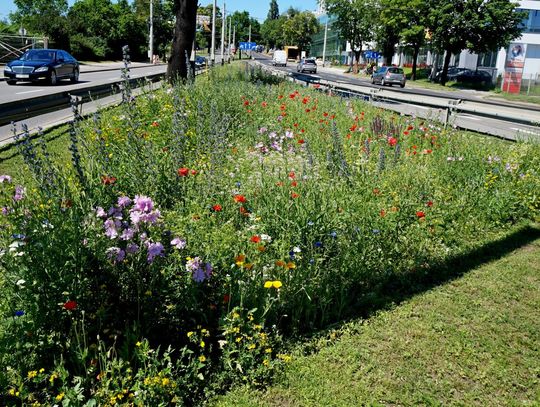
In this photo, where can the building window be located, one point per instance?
(531, 23)
(488, 59)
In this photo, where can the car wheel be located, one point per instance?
(372, 80)
(383, 83)
(53, 80)
(11, 82)
(401, 85)
(75, 77)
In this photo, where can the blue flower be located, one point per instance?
(376, 231)
(19, 313)
(333, 234)
(18, 236)
(238, 184)
(311, 261)
(291, 255)
(318, 244)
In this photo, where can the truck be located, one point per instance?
(280, 58)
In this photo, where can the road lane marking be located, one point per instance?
(30, 91)
(465, 116)
(524, 131)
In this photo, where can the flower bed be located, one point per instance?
(197, 225)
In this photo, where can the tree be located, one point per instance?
(476, 25)
(184, 35)
(242, 21)
(47, 17)
(273, 12)
(298, 29)
(355, 19)
(409, 19)
(272, 32)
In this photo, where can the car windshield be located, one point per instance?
(39, 55)
(395, 70)
(310, 61)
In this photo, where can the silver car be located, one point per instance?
(307, 65)
(388, 75)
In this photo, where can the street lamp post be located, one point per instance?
(324, 43)
(213, 50)
(151, 35)
(229, 42)
(223, 23)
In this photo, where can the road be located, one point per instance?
(487, 125)
(25, 90)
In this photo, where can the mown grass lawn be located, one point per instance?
(471, 341)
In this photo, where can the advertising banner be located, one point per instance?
(513, 67)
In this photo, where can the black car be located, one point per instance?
(49, 64)
(482, 78)
(451, 75)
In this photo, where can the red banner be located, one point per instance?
(513, 68)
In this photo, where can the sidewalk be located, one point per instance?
(87, 67)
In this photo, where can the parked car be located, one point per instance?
(388, 75)
(477, 77)
(307, 65)
(451, 75)
(280, 58)
(49, 64)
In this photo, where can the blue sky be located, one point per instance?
(257, 8)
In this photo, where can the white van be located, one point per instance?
(280, 58)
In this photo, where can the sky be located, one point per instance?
(256, 8)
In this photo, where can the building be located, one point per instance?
(335, 46)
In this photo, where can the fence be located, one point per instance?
(13, 46)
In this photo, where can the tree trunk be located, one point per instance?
(357, 59)
(444, 72)
(416, 51)
(184, 35)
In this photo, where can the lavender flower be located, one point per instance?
(154, 250)
(124, 201)
(100, 212)
(132, 248)
(127, 234)
(115, 254)
(110, 229)
(19, 193)
(143, 203)
(178, 243)
(5, 178)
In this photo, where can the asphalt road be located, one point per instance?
(25, 90)
(500, 128)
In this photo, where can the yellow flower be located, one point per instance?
(291, 265)
(285, 358)
(138, 344)
(276, 284)
(252, 346)
(257, 327)
(235, 315)
(60, 396)
(202, 358)
(266, 362)
(165, 382)
(41, 370)
(52, 378)
(11, 392)
(203, 344)
(148, 293)
(189, 334)
(268, 284)
(32, 374)
(268, 350)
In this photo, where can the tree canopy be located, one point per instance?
(273, 12)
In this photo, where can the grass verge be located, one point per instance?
(472, 341)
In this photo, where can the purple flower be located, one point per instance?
(132, 248)
(262, 130)
(124, 201)
(155, 249)
(193, 264)
(116, 254)
(202, 272)
(151, 217)
(110, 229)
(135, 217)
(5, 210)
(143, 203)
(127, 234)
(276, 146)
(289, 134)
(5, 178)
(115, 212)
(19, 193)
(178, 243)
(100, 212)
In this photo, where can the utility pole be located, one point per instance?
(249, 40)
(324, 44)
(151, 36)
(213, 50)
(229, 42)
(223, 22)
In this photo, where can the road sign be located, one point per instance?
(248, 46)
(372, 54)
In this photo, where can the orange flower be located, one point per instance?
(239, 198)
(294, 195)
(255, 239)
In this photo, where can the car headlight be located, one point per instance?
(7, 69)
(42, 69)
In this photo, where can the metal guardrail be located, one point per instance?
(373, 94)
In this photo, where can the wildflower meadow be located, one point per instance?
(178, 241)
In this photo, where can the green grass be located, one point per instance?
(471, 341)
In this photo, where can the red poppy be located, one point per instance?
(383, 213)
(70, 305)
(255, 239)
(376, 191)
(429, 204)
(294, 195)
(292, 174)
(239, 198)
(420, 214)
(295, 124)
(246, 102)
(405, 133)
(264, 104)
(308, 110)
(392, 141)
(305, 101)
(106, 180)
(301, 141)
(410, 127)
(183, 172)
(280, 97)
(226, 298)
(292, 95)
(244, 211)
(279, 184)
(325, 114)
(155, 124)
(217, 208)
(294, 184)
